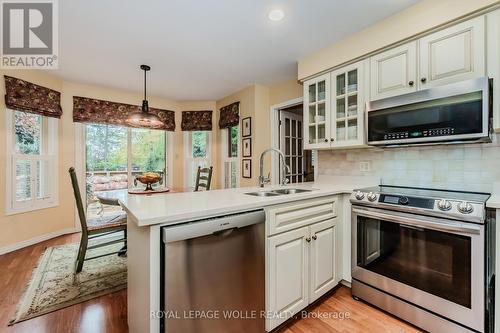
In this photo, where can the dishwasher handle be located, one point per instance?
(213, 226)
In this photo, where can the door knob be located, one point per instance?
(315, 237)
(326, 140)
(411, 83)
(308, 239)
(423, 80)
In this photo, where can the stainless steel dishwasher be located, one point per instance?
(213, 275)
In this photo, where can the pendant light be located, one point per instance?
(144, 118)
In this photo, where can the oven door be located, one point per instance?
(436, 264)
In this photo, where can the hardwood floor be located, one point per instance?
(108, 314)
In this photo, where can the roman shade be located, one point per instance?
(196, 120)
(229, 115)
(25, 96)
(89, 110)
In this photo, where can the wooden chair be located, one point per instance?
(203, 178)
(95, 228)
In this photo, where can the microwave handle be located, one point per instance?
(424, 222)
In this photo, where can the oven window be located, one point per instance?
(436, 262)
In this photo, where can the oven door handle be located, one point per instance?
(424, 222)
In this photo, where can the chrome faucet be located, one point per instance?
(286, 169)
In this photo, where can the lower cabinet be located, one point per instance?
(302, 266)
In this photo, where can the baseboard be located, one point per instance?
(346, 283)
(35, 240)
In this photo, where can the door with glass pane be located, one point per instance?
(317, 112)
(292, 145)
(347, 121)
(114, 155)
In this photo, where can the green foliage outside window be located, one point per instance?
(106, 149)
(28, 128)
(199, 143)
(233, 151)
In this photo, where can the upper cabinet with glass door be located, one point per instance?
(317, 113)
(347, 120)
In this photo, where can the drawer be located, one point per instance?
(295, 215)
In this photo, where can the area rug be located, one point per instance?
(54, 285)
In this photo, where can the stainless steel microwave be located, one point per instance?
(457, 112)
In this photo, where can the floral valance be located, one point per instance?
(25, 96)
(229, 115)
(196, 121)
(89, 110)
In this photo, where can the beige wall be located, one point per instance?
(256, 101)
(23, 227)
(416, 19)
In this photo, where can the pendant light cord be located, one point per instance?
(145, 84)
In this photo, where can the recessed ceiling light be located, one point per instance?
(276, 15)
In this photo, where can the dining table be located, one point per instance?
(113, 197)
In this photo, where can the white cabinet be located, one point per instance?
(303, 263)
(317, 112)
(453, 54)
(450, 55)
(323, 255)
(348, 106)
(288, 263)
(394, 72)
(334, 107)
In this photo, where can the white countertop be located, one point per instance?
(494, 200)
(171, 208)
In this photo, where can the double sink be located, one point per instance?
(273, 193)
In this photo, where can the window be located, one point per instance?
(197, 152)
(114, 155)
(32, 177)
(230, 160)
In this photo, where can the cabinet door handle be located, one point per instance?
(326, 140)
(308, 239)
(423, 80)
(411, 83)
(332, 139)
(315, 237)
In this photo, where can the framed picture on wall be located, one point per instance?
(247, 147)
(246, 123)
(247, 168)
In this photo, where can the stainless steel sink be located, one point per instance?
(263, 194)
(282, 191)
(291, 191)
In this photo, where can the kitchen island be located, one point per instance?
(147, 215)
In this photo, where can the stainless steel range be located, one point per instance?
(425, 256)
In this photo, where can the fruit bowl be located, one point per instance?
(148, 179)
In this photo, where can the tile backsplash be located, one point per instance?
(472, 167)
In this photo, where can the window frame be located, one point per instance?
(189, 160)
(225, 142)
(49, 152)
(130, 177)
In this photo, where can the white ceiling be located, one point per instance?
(202, 49)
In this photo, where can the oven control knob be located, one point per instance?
(465, 207)
(359, 195)
(372, 196)
(444, 205)
(403, 200)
